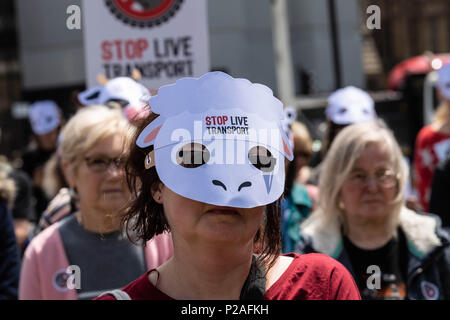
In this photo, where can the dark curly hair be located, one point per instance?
(146, 219)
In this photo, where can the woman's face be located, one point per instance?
(100, 183)
(49, 140)
(198, 222)
(368, 191)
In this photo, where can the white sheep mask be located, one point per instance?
(205, 141)
(125, 91)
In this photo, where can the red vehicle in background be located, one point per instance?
(415, 79)
(419, 68)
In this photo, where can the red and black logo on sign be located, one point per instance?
(144, 13)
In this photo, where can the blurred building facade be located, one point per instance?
(10, 82)
(408, 28)
(241, 42)
(50, 58)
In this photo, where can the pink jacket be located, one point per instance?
(44, 265)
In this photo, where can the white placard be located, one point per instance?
(171, 43)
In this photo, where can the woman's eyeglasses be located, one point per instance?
(384, 179)
(103, 164)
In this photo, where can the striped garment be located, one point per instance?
(59, 207)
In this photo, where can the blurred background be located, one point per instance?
(329, 45)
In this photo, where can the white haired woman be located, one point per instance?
(361, 220)
(86, 253)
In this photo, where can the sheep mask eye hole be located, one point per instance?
(193, 155)
(262, 159)
(117, 103)
(342, 110)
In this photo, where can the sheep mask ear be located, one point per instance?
(93, 95)
(222, 134)
(90, 96)
(147, 138)
(121, 92)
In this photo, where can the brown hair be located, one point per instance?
(302, 144)
(331, 132)
(302, 138)
(146, 217)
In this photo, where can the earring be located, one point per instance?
(149, 160)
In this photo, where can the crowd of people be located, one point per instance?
(135, 197)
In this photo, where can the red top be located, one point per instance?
(431, 148)
(311, 276)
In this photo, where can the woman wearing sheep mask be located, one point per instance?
(209, 167)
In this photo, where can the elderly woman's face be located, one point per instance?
(194, 221)
(368, 191)
(100, 178)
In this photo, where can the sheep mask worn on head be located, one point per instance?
(126, 92)
(218, 140)
(44, 116)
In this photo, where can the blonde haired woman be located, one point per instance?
(361, 220)
(433, 141)
(94, 146)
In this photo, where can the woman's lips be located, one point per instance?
(113, 191)
(219, 210)
(370, 201)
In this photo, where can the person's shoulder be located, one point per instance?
(428, 129)
(316, 262)
(320, 266)
(313, 276)
(431, 134)
(426, 133)
(59, 206)
(61, 197)
(136, 290)
(45, 240)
